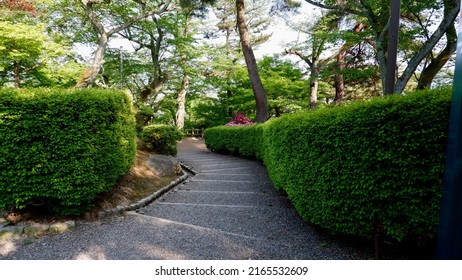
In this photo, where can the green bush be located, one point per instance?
(62, 147)
(238, 140)
(352, 168)
(143, 116)
(161, 138)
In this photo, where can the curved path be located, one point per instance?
(229, 210)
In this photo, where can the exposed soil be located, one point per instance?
(139, 182)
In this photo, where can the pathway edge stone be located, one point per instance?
(188, 168)
(7, 230)
(144, 201)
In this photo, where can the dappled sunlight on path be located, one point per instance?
(191, 144)
(6, 247)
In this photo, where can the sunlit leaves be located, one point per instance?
(63, 147)
(26, 45)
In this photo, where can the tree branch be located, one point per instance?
(33, 67)
(339, 7)
(451, 9)
(320, 5)
(300, 55)
(419, 20)
(95, 22)
(137, 18)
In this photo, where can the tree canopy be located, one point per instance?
(184, 60)
(26, 50)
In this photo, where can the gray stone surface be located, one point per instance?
(164, 165)
(11, 232)
(70, 224)
(4, 224)
(36, 229)
(61, 226)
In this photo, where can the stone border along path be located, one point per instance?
(228, 210)
(8, 230)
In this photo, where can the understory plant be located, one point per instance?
(161, 138)
(240, 120)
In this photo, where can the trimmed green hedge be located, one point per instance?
(238, 140)
(352, 168)
(62, 148)
(161, 138)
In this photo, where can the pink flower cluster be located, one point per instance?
(239, 120)
(19, 5)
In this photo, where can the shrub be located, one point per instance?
(63, 148)
(353, 168)
(143, 116)
(239, 120)
(238, 140)
(161, 138)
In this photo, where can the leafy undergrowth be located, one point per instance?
(139, 182)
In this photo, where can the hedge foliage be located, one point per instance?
(352, 168)
(63, 148)
(238, 140)
(161, 138)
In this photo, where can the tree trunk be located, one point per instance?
(429, 73)
(181, 99)
(17, 80)
(314, 83)
(382, 60)
(314, 74)
(181, 108)
(451, 10)
(152, 89)
(255, 81)
(339, 79)
(89, 77)
(157, 81)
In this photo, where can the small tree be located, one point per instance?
(25, 47)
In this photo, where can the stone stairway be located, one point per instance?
(234, 199)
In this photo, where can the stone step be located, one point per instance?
(242, 198)
(226, 177)
(263, 222)
(211, 185)
(242, 170)
(203, 242)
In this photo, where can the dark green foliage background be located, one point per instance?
(63, 147)
(351, 168)
(161, 138)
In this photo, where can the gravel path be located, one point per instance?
(229, 210)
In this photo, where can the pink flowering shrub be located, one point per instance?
(239, 120)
